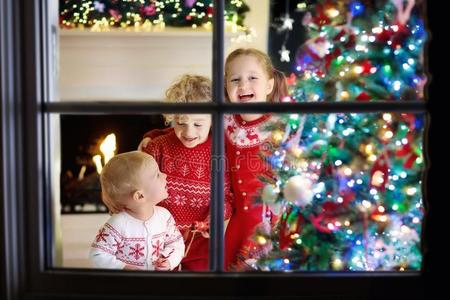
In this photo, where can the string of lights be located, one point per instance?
(147, 15)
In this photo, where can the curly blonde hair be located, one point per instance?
(188, 88)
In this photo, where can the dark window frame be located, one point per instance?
(25, 211)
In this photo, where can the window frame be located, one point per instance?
(26, 214)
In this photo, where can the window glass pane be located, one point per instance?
(327, 192)
(134, 235)
(129, 50)
(322, 192)
(349, 51)
(338, 50)
(248, 64)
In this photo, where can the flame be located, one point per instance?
(108, 147)
(82, 171)
(98, 163)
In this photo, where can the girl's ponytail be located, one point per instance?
(280, 90)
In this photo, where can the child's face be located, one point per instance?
(247, 81)
(154, 183)
(192, 129)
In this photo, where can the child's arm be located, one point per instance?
(173, 251)
(157, 132)
(162, 264)
(148, 136)
(143, 144)
(154, 149)
(104, 248)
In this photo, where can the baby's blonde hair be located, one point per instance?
(121, 177)
(188, 88)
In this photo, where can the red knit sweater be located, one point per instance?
(244, 141)
(188, 184)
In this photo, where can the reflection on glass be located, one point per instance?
(343, 193)
(353, 51)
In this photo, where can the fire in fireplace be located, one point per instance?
(87, 143)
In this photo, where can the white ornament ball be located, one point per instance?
(269, 195)
(337, 263)
(298, 190)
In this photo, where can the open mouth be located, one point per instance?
(189, 139)
(246, 97)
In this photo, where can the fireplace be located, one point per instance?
(85, 143)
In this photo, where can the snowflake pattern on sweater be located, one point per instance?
(242, 134)
(189, 187)
(188, 178)
(125, 240)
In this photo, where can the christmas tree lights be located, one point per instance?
(347, 190)
(347, 187)
(146, 14)
(363, 51)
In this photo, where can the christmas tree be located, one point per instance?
(103, 14)
(347, 187)
(369, 50)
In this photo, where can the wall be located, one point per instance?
(120, 65)
(129, 65)
(258, 19)
(79, 231)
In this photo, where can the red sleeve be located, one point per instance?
(153, 148)
(157, 132)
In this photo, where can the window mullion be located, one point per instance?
(217, 195)
(216, 248)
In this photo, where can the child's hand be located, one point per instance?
(144, 143)
(162, 264)
(130, 267)
(202, 227)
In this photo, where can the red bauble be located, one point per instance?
(363, 96)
